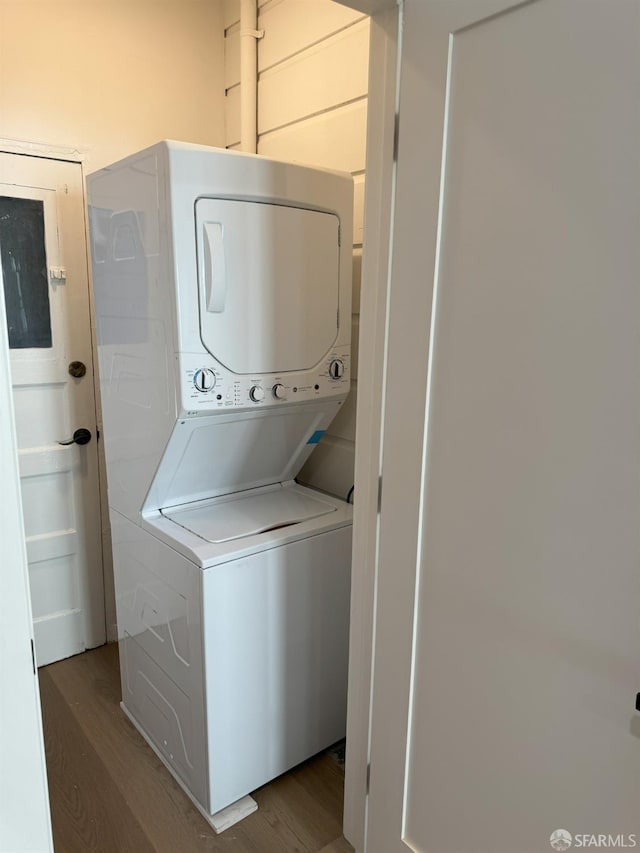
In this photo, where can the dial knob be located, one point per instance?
(204, 379)
(279, 392)
(256, 393)
(336, 369)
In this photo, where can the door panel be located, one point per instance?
(507, 654)
(25, 821)
(44, 263)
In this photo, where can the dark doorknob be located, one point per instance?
(80, 436)
(77, 369)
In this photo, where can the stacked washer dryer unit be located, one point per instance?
(223, 304)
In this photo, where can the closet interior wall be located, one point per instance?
(312, 108)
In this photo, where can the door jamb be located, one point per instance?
(44, 150)
(378, 226)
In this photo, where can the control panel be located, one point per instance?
(207, 386)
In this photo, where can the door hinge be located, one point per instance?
(368, 782)
(33, 657)
(379, 494)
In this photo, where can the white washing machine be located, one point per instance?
(223, 303)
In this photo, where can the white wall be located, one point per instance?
(312, 108)
(98, 79)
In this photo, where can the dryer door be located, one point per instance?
(268, 284)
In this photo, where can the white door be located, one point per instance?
(44, 264)
(25, 824)
(507, 633)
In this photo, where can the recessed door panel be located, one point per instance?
(268, 284)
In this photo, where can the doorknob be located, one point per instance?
(77, 369)
(80, 436)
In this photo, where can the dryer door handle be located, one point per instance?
(214, 269)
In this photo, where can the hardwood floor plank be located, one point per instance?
(300, 812)
(91, 685)
(340, 845)
(298, 808)
(88, 812)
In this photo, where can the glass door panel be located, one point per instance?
(24, 272)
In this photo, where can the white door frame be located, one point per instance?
(40, 149)
(378, 226)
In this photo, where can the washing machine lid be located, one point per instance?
(246, 514)
(228, 453)
(268, 284)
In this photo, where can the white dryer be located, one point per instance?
(223, 302)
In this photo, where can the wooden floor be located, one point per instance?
(110, 793)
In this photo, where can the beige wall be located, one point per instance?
(106, 77)
(99, 79)
(312, 108)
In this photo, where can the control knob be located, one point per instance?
(336, 369)
(256, 393)
(204, 379)
(279, 392)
